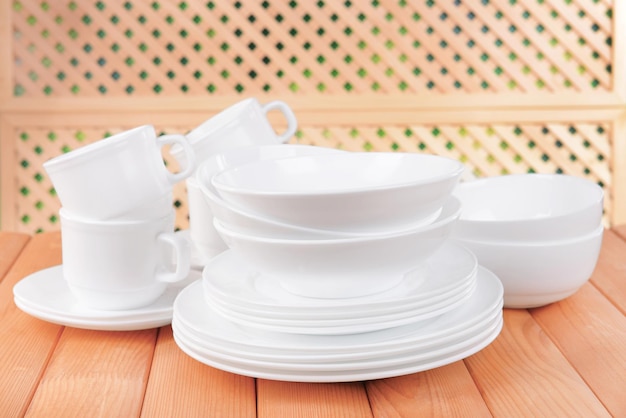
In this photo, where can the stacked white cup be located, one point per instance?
(244, 124)
(119, 247)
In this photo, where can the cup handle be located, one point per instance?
(182, 252)
(292, 122)
(189, 154)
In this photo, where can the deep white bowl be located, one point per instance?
(240, 220)
(538, 273)
(356, 192)
(345, 267)
(528, 207)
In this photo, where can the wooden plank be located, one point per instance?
(288, 399)
(27, 343)
(610, 271)
(523, 373)
(619, 49)
(181, 386)
(330, 103)
(12, 245)
(95, 373)
(618, 164)
(591, 333)
(442, 392)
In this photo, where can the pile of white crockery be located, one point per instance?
(329, 249)
(317, 264)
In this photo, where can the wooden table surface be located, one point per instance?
(562, 360)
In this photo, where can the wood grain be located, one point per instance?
(287, 399)
(181, 386)
(441, 392)
(95, 374)
(583, 326)
(524, 371)
(12, 244)
(610, 271)
(26, 343)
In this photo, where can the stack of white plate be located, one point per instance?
(444, 282)
(241, 321)
(339, 268)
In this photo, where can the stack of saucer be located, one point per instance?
(341, 269)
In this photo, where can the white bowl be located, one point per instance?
(538, 273)
(528, 207)
(239, 220)
(346, 267)
(357, 192)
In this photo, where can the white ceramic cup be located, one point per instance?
(120, 176)
(243, 124)
(116, 265)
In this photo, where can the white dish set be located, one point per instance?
(305, 263)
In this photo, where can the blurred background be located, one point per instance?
(505, 86)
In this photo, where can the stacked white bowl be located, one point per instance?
(336, 225)
(540, 233)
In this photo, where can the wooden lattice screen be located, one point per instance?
(506, 86)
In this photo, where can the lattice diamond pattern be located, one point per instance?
(487, 149)
(170, 48)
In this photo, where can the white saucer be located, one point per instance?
(446, 273)
(45, 295)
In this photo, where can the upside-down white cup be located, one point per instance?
(115, 265)
(243, 124)
(120, 176)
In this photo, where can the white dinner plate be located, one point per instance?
(230, 277)
(437, 359)
(345, 365)
(191, 310)
(45, 295)
(247, 352)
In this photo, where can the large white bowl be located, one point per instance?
(238, 219)
(538, 273)
(346, 267)
(528, 207)
(358, 192)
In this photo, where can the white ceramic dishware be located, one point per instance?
(202, 233)
(528, 207)
(342, 326)
(228, 277)
(243, 124)
(356, 192)
(115, 265)
(204, 203)
(192, 310)
(120, 177)
(212, 339)
(343, 267)
(46, 295)
(538, 273)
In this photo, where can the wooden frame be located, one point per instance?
(318, 110)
